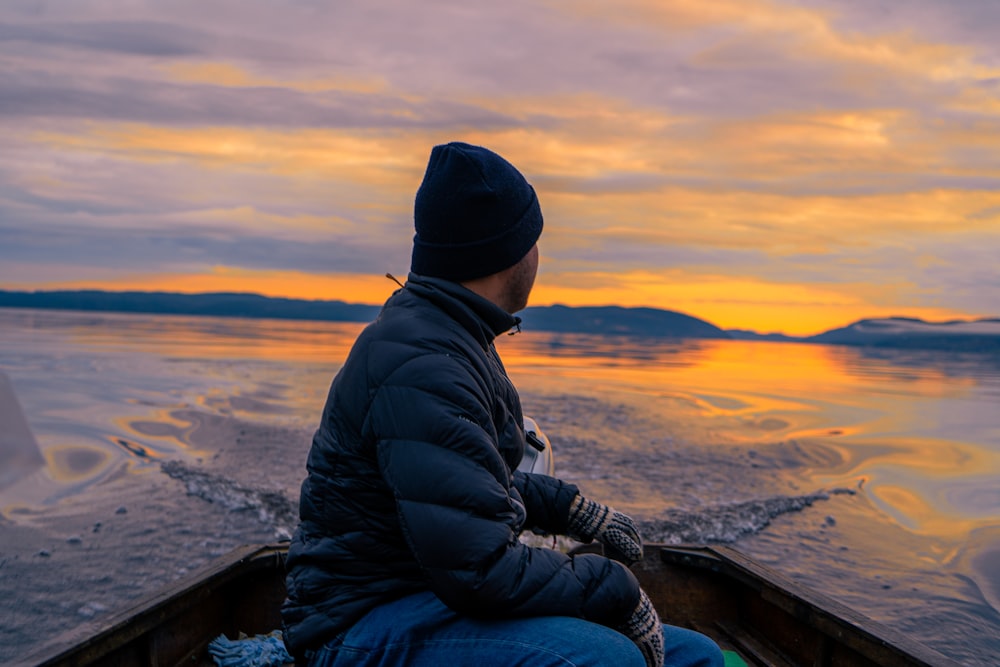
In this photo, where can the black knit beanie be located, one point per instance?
(474, 214)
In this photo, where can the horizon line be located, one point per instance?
(378, 305)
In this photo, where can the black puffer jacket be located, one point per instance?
(410, 485)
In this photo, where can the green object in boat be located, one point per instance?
(733, 659)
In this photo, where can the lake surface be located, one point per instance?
(871, 476)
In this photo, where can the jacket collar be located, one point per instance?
(481, 317)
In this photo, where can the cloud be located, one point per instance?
(966, 22)
(146, 38)
(743, 145)
(113, 98)
(186, 250)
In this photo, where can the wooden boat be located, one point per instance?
(748, 608)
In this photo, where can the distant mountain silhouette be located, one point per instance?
(895, 332)
(593, 320)
(909, 333)
(216, 304)
(746, 334)
(616, 320)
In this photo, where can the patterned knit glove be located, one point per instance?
(643, 628)
(617, 532)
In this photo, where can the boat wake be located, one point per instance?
(723, 523)
(272, 508)
(727, 522)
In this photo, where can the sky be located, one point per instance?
(761, 164)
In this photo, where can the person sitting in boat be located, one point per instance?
(407, 550)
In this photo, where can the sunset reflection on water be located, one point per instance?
(180, 336)
(917, 430)
(904, 445)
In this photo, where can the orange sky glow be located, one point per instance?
(762, 165)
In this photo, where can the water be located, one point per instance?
(874, 478)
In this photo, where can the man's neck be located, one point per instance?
(489, 287)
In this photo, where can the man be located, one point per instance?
(407, 552)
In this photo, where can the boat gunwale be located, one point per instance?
(92, 642)
(826, 615)
(101, 637)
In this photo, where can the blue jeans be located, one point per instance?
(420, 631)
